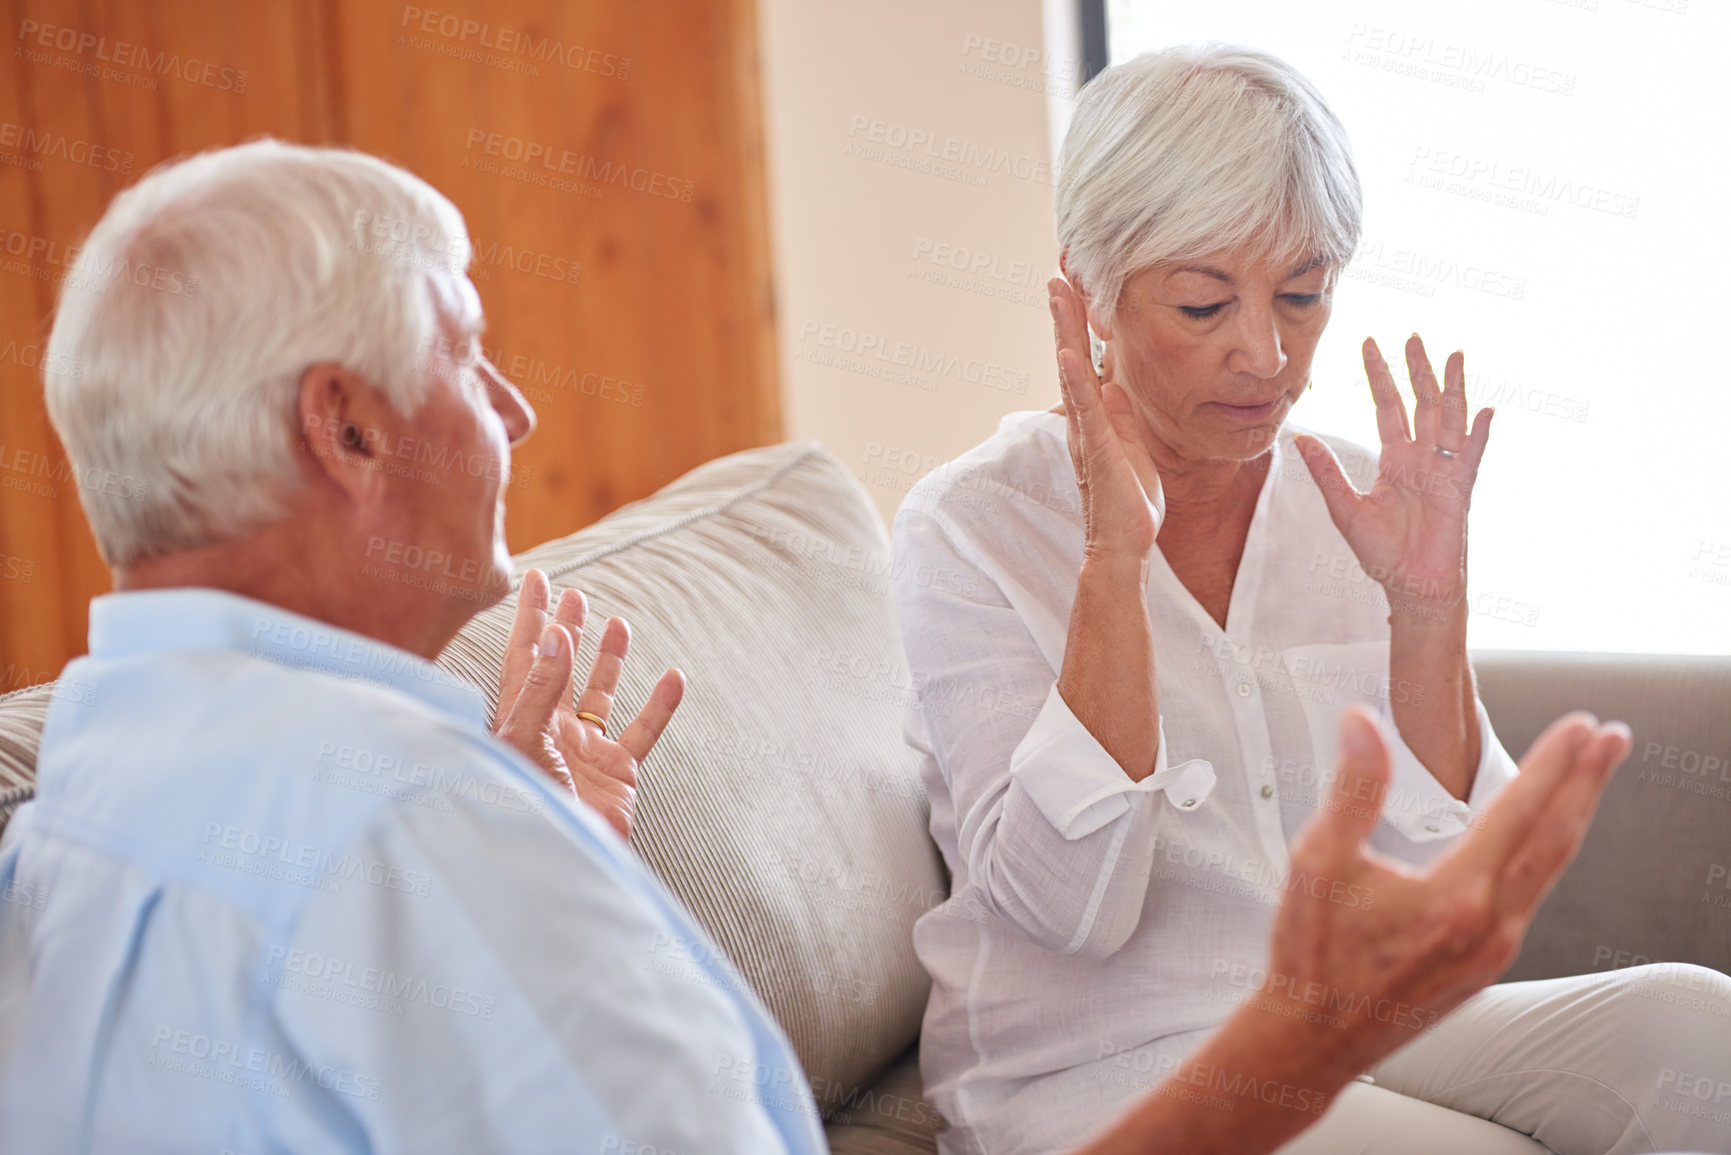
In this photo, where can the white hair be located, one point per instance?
(199, 301)
(1189, 150)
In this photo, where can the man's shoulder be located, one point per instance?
(221, 765)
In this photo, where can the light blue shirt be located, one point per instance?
(281, 891)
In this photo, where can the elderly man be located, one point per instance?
(241, 952)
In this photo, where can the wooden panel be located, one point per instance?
(612, 150)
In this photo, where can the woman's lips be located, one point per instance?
(1250, 413)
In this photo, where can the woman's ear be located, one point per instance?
(1099, 324)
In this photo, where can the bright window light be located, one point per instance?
(1544, 188)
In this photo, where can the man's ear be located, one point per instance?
(346, 425)
(1102, 326)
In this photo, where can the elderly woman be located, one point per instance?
(1173, 596)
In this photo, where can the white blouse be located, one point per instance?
(1098, 928)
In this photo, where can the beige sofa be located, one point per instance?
(783, 807)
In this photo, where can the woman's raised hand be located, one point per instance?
(1122, 503)
(1410, 531)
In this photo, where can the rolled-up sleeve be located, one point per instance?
(1079, 787)
(1419, 807)
(1052, 835)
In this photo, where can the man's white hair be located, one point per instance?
(1188, 150)
(196, 306)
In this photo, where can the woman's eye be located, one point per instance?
(1303, 300)
(1200, 312)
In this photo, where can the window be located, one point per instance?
(1544, 188)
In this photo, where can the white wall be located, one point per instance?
(907, 138)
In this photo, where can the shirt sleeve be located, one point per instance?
(494, 976)
(1419, 807)
(1053, 836)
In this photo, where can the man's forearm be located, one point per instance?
(1258, 1081)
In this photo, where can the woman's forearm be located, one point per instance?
(1431, 690)
(1107, 678)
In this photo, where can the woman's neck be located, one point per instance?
(1204, 492)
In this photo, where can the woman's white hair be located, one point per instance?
(1189, 150)
(196, 306)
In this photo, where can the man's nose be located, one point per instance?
(513, 408)
(1259, 351)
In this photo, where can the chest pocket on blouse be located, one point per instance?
(1328, 679)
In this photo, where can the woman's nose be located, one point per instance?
(512, 407)
(1259, 351)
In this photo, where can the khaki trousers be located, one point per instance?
(1636, 1060)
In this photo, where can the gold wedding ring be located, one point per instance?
(600, 722)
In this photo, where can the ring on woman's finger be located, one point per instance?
(1446, 452)
(596, 720)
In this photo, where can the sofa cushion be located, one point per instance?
(22, 714)
(1651, 883)
(891, 1117)
(781, 804)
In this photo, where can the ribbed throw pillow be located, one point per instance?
(781, 805)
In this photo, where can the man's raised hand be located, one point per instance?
(537, 716)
